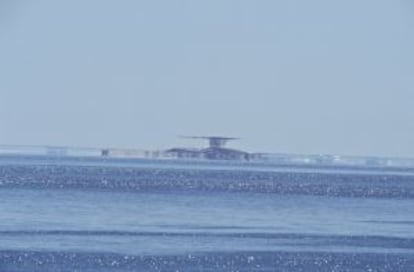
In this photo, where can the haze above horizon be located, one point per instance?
(297, 76)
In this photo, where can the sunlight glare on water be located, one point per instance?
(159, 213)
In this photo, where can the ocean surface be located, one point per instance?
(96, 214)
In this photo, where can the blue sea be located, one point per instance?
(100, 214)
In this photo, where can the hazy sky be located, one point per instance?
(317, 76)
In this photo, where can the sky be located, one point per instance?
(288, 76)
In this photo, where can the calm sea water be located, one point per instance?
(79, 214)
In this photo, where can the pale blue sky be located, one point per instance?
(296, 76)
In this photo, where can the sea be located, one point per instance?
(107, 214)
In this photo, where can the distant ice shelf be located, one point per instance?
(272, 158)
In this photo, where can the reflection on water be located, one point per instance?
(95, 216)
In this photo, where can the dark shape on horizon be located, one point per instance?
(105, 152)
(215, 151)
